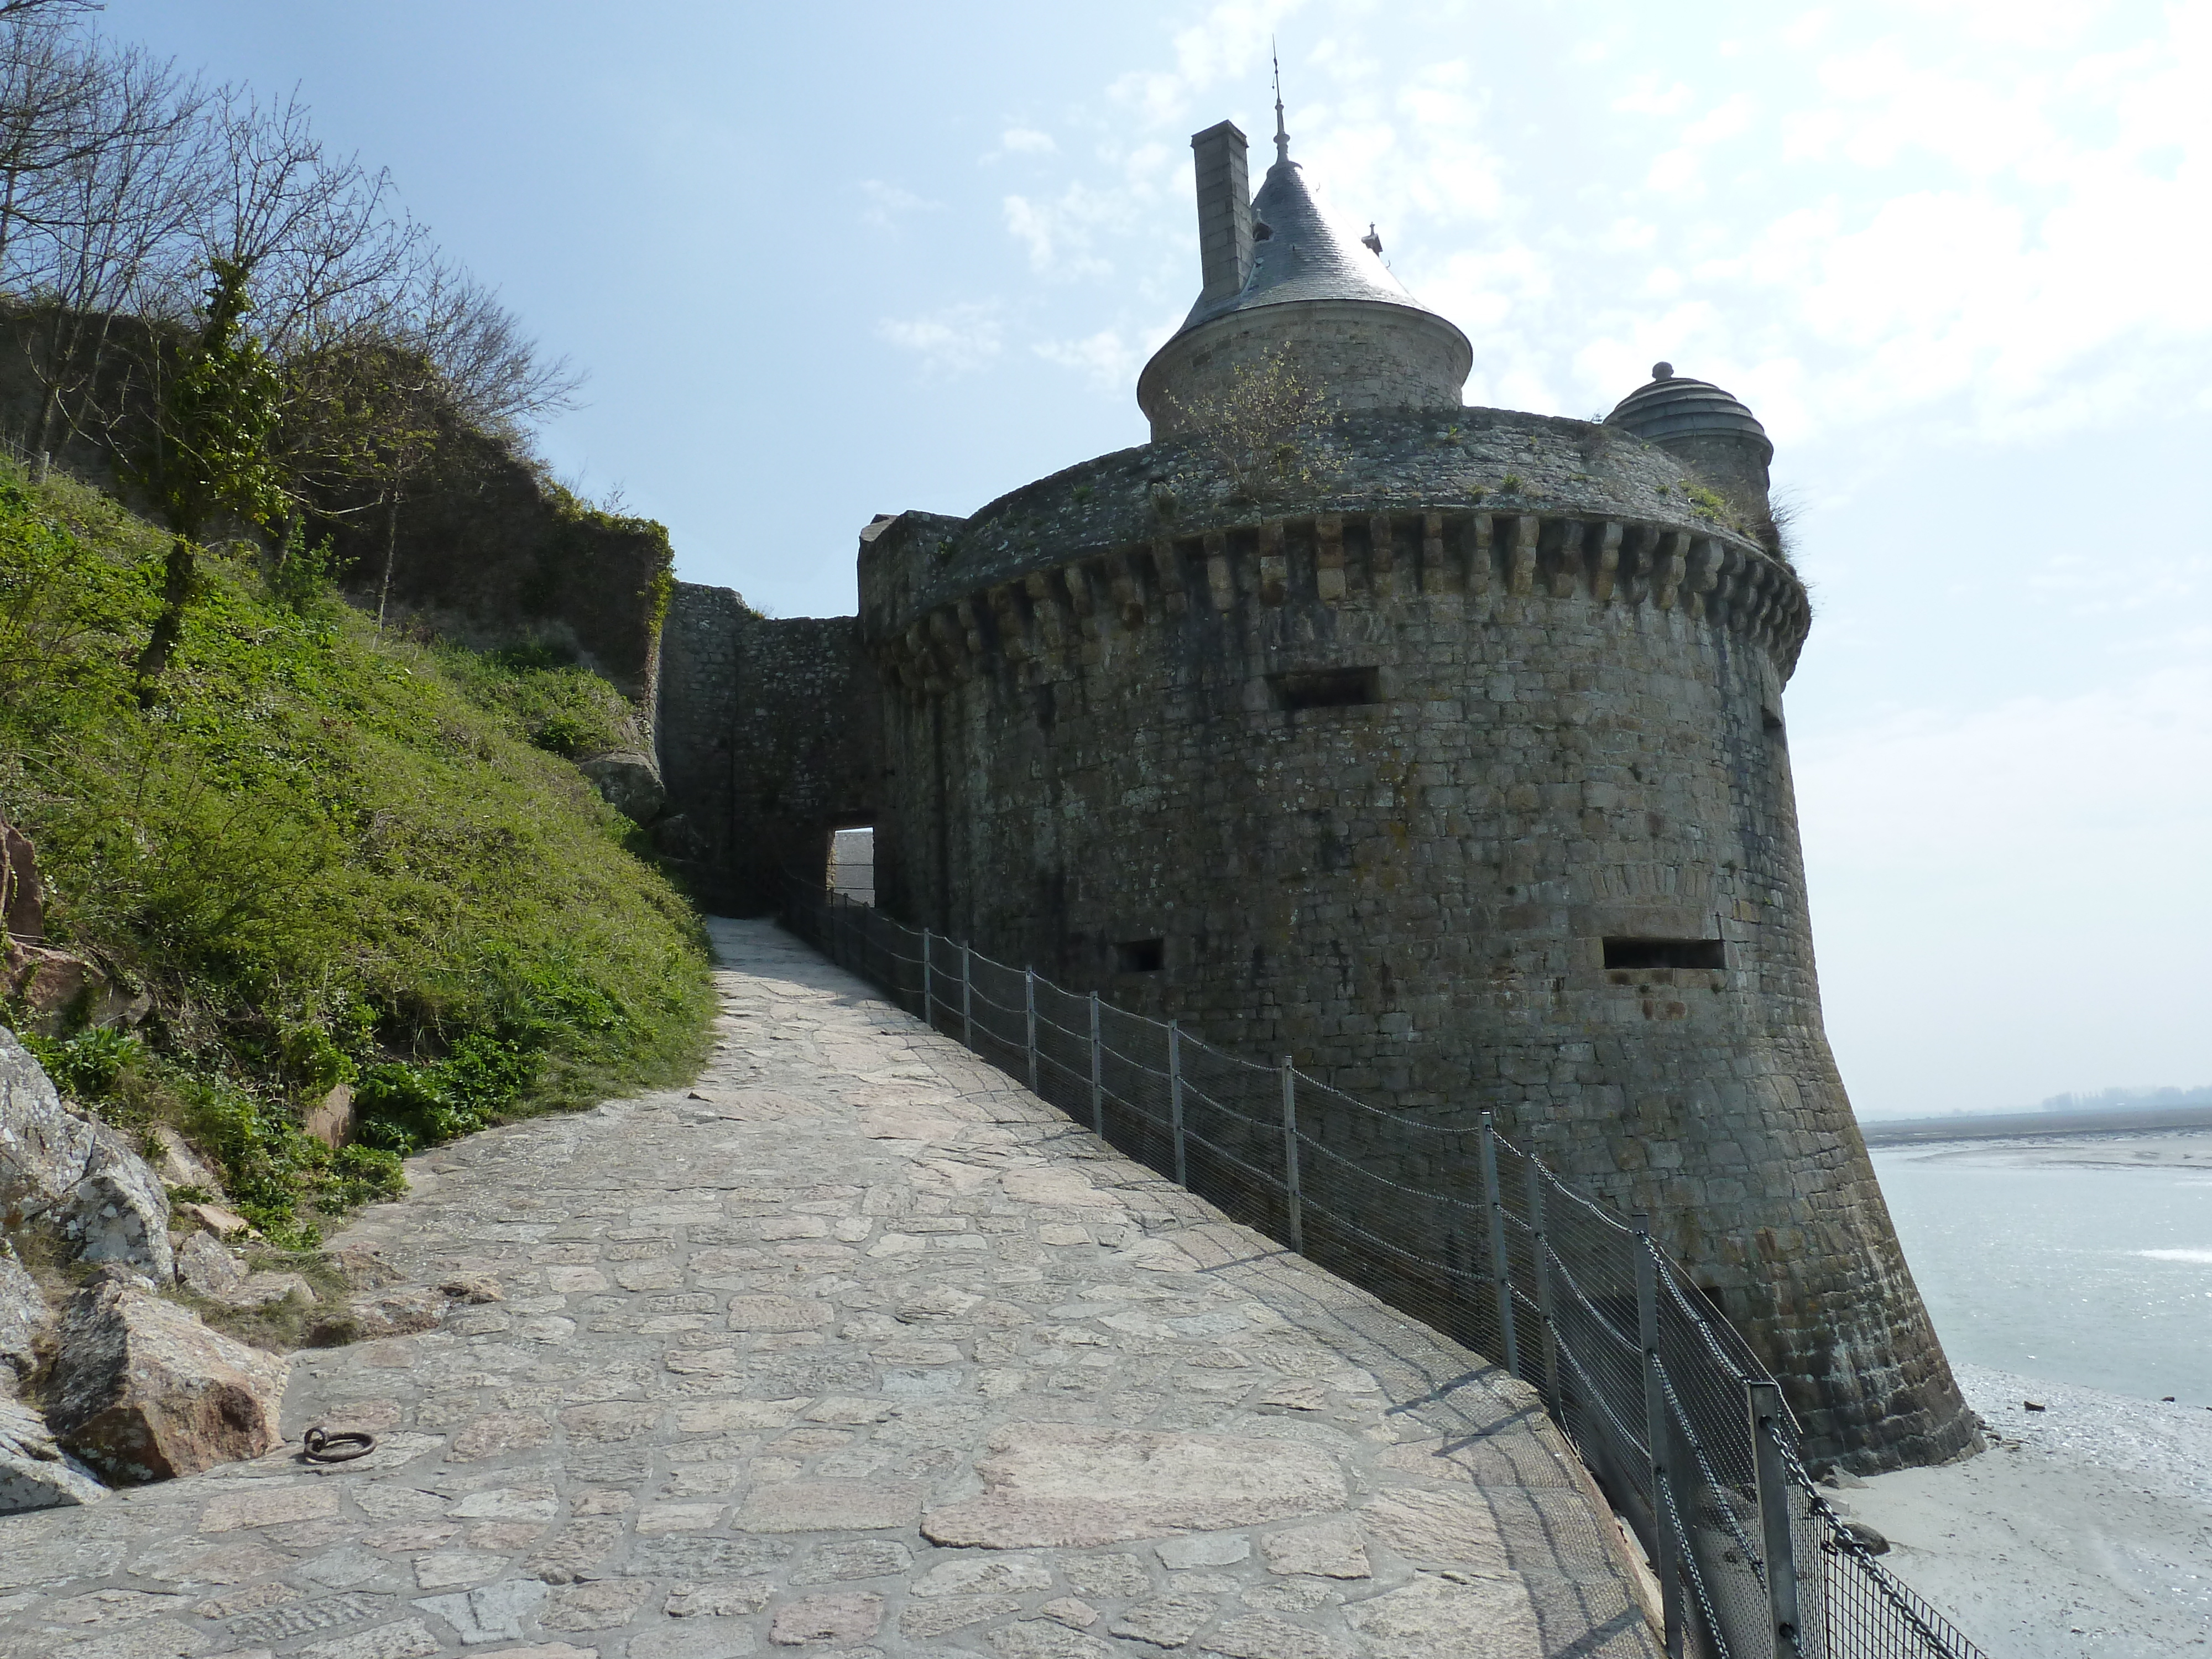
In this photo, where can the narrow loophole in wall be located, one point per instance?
(852, 864)
(1141, 955)
(1665, 953)
(1326, 687)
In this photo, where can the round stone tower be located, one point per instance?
(1282, 278)
(1450, 760)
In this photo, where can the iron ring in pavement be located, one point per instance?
(324, 1447)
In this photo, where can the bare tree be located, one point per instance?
(126, 188)
(111, 248)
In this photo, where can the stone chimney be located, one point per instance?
(1224, 210)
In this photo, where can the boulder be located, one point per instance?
(74, 1174)
(142, 1391)
(22, 905)
(119, 1210)
(395, 1313)
(205, 1268)
(58, 990)
(332, 1120)
(42, 1147)
(180, 1164)
(24, 1318)
(35, 1474)
(363, 1269)
(213, 1219)
(679, 838)
(629, 782)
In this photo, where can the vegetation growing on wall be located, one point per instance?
(1263, 430)
(327, 858)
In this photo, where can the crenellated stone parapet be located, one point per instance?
(1035, 621)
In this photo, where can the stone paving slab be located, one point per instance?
(853, 1348)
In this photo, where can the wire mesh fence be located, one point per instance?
(1685, 1431)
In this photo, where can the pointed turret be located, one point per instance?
(1306, 287)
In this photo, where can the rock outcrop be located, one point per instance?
(207, 1269)
(630, 782)
(24, 1318)
(22, 901)
(332, 1121)
(58, 989)
(181, 1164)
(35, 1474)
(142, 1391)
(76, 1176)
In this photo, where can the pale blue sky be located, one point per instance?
(826, 262)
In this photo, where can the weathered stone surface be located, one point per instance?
(180, 1164)
(332, 1119)
(1265, 1636)
(213, 1219)
(142, 1391)
(43, 1148)
(22, 901)
(1332, 1550)
(58, 990)
(1434, 1617)
(1222, 1549)
(35, 1474)
(829, 1505)
(1438, 1529)
(1165, 1621)
(853, 1616)
(924, 1620)
(24, 1318)
(1054, 1484)
(117, 1210)
(630, 780)
(77, 1175)
(990, 1575)
(207, 1269)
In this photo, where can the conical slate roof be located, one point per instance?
(1675, 406)
(1306, 256)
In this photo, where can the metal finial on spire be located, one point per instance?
(1282, 137)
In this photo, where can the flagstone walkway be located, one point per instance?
(853, 1348)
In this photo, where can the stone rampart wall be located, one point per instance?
(768, 741)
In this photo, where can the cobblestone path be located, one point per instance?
(853, 1348)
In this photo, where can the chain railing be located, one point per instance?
(1685, 1432)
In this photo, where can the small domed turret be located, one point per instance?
(1707, 427)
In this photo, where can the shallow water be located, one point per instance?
(2035, 1258)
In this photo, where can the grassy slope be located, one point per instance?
(329, 858)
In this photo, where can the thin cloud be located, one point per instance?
(956, 340)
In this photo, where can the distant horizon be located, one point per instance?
(2119, 1099)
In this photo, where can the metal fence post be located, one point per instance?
(1174, 1101)
(967, 996)
(1542, 1240)
(1501, 1271)
(1029, 1017)
(1295, 1205)
(1763, 1401)
(1657, 1437)
(1097, 1074)
(928, 1007)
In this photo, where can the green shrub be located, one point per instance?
(327, 857)
(85, 1066)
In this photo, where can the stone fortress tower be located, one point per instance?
(1442, 749)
